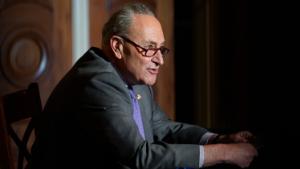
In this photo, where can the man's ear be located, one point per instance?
(117, 46)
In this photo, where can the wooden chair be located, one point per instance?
(23, 105)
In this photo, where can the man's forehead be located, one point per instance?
(148, 28)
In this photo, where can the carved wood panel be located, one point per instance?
(35, 40)
(24, 38)
(35, 46)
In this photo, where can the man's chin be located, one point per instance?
(150, 82)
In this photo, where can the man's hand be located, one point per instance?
(241, 137)
(238, 137)
(240, 154)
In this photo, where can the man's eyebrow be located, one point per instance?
(154, 43)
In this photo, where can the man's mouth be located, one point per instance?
(153, 71)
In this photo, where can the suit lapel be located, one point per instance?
(146, 112)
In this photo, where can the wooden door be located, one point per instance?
(35, 40)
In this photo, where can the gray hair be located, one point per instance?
(119, 22)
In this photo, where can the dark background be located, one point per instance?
(251, 71)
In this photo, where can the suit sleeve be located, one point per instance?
(107, 119)
(175, 132)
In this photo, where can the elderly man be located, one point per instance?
(103, 115)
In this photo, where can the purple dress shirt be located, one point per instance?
(138, 120)
(137, 113)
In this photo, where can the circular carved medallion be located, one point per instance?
(23, 58)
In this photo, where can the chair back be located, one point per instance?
(19, 108)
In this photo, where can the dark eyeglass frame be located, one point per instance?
(163, 50)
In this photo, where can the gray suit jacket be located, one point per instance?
(87, 123)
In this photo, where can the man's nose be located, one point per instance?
(158, 58)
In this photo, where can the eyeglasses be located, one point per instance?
(147, 52)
